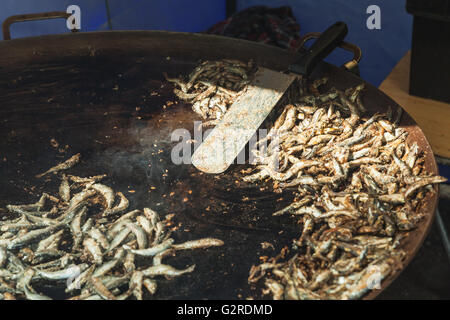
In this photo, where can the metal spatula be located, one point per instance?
(249, 111)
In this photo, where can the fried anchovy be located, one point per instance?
(166, 270)
(32, 236)
(69, 163)
(197, 244)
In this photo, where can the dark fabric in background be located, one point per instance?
(272, 26)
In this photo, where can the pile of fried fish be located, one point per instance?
(85, 241)
(359, 185)
(360, 189)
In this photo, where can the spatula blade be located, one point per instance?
(241, 121)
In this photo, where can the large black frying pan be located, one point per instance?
(102, 94)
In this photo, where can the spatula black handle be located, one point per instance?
(322, 47)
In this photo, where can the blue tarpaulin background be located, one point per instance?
(382, 49)
(93, 15)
